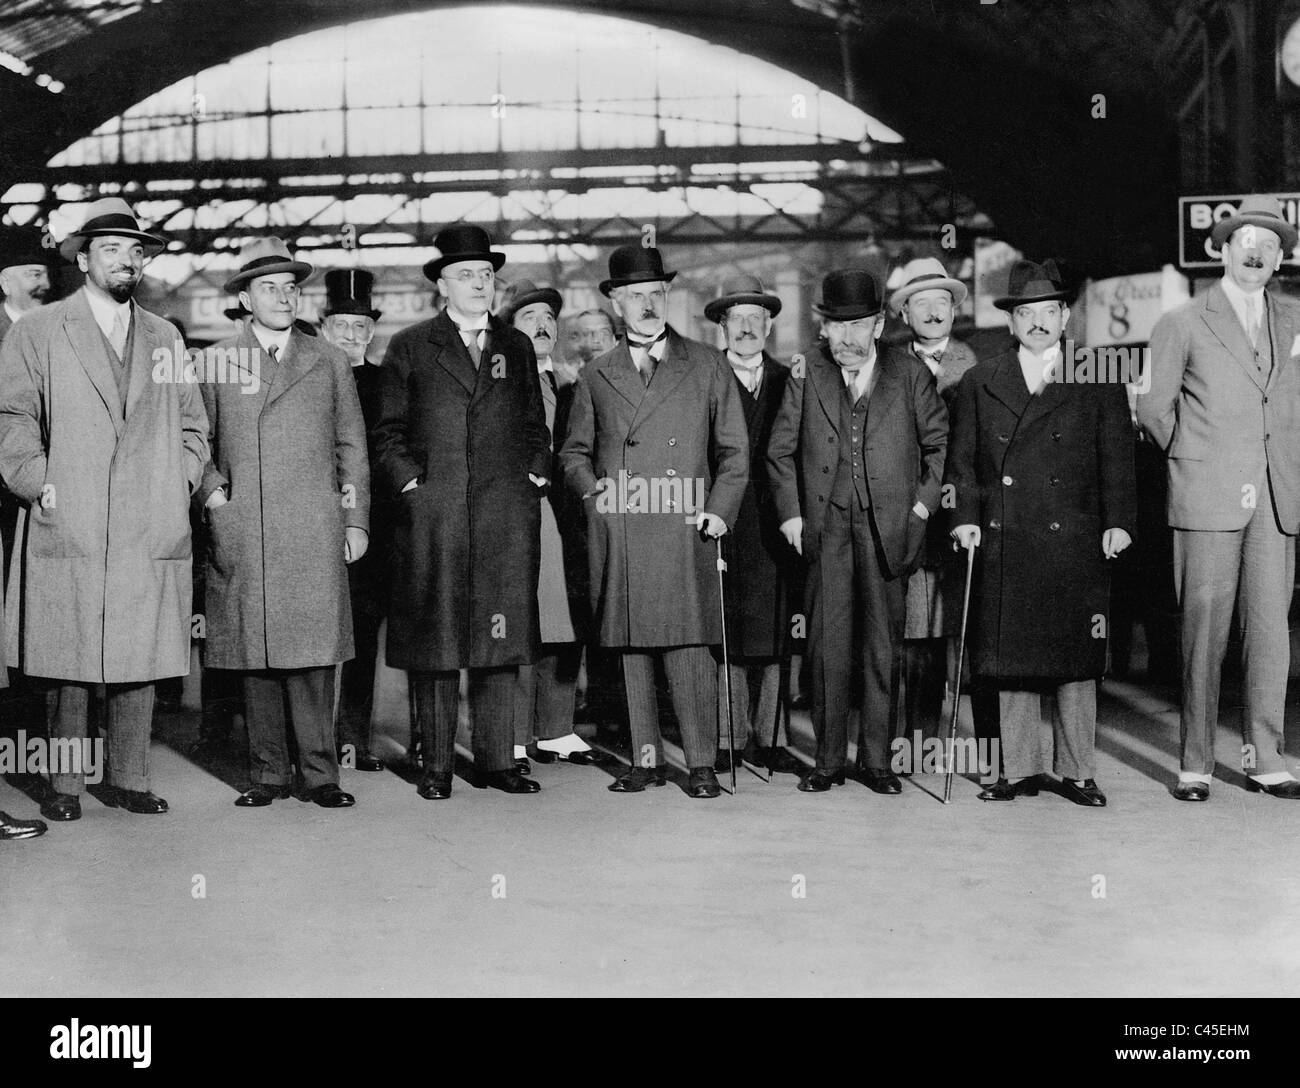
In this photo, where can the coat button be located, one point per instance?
(631, 442)
(672, 441)
(830, 438)
(825, 469)
(995, 524)
(1054, 481)
(1007, 481)
(1056, 436)
(671, 472)
(1003, 438)
(1055, 527)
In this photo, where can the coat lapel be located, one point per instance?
(619, 370)
(1222, 321)
(1007, 384)
(89, 346)
(450, 352)
(824, 376)
(670, 372)
(1284, 334)
(887, 387)
(300, 355)
(140, 367)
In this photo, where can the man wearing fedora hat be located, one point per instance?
(287, 495)
(462, 443)
(759, 563)
(1224, 404)
(856, 459)
(1041, 469)
(105, 458)
(348, 322)
(658, 453)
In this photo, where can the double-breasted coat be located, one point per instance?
(1043, 476)
(101, 585)
(291, 455)
(670, 451)
(466, 541)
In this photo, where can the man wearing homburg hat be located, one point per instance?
(1041, 468)
(658, 453)
(927, 301)
(287, 494)
(348, 322)
(759, 563)
(105, 457)
(463, 446)
(856, 460)
(1224, 404)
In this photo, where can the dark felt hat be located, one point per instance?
(848, 295)
(24, 245)
(462, 242)
(635, 264)
(347, 291)
(525, 294)
(742, 291)
(1033, 282)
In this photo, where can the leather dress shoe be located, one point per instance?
(507, 781)
(880, 781)
(1002, 790)
(434, 786)
(821, 781)
(1192, 791)
(636, 779)
(780, 761)
(329, 796)
(261, 794)
(61, 807)
(522, 766)
(20, 829)
(723, 763)
(589, 758)
(1290, 789)
(368, 762)
(702, 783)
(141, 802)
(1088, 794)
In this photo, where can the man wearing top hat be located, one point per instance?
(1224, 404)
(348, 322)
(105, 458)
(462, 444)
(856, 460)
(657, 451)
(287, 495)
(546, 689)
(759, 562)
(1043, 485)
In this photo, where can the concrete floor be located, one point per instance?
(658, 894)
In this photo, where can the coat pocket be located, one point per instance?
(47, 536)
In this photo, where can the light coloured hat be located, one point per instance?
(265, 257)
(1261, 211)
(925, 274)
(109, 215)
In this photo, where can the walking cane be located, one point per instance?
(726, 665)
(783, 682)
(956, 695)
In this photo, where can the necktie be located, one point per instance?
(646, 367)
(273, 351)
(470, 336)
(1252, 320)
(118, 336)
(550, 380)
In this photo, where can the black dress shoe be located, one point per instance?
(508, 781)
(1290, 790)
(522, 766)
(636, 779)
(368, 762)
(1087, 795)
(1002, 790)
(702, 783)
(260, 794)
(139, 801)
(434, 786)
(880, 781)
(329, 796)
(1192, 791)
(20, 829)
(723, 763)
(61, 807)
(821, 781)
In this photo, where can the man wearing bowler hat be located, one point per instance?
(463, 447)
(1224, 404)
(105, 458)
(856, 458)
(658, 453)
(287, 496)
(348, 322)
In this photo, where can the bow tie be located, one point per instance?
(935, 357)
(634, 342)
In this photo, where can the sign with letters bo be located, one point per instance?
(1197, 216)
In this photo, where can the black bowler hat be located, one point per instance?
(1033, 282)
(635, 264)
(849, 295)
(24, 245)
(526, 293)
(462, 242)
(347, 291)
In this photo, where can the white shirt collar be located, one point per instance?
(468, 324)
(1235, 293)
(1237, 299)
(543, 365)
(754, 362)
(269, 338)
(105, 310)
(14, 315)
(1038, 370)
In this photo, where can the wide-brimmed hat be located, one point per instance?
(109, 215)
(525, 294)
(462, 242)
(848, 295)
(635, 264)
(265, 257)
(347, 291)
(925, 274)
(1256, 211)
(24, 245)
(1033, 282)
(741, 290)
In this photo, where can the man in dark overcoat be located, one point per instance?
(657, 451)
(1042, 471)
(462, 444)
(287, 496)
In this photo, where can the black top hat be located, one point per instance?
(635, 264)
(347, 291)
(526, 293)
(1033, 282)
(462, 242)
(849, 295)
(24, 245)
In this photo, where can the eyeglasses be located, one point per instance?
(285, 290)
(469, 275)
